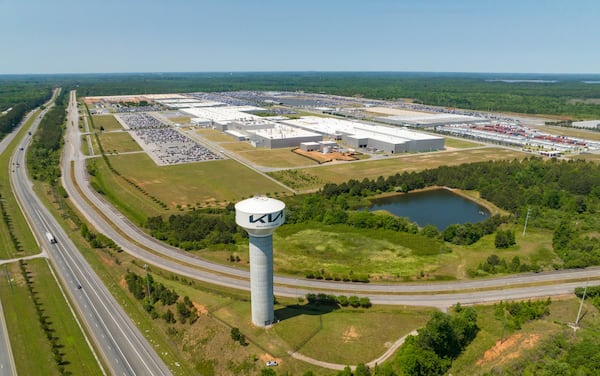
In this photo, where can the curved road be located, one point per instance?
(151, 251)
(122, 346)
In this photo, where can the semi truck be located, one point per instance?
(50, 237)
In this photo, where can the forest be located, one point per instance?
(20, 97)
(563, 95)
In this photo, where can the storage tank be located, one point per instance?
(260, 216)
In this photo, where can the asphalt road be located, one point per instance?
(121, 345)
(441, 294)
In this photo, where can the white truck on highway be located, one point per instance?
(50, 237)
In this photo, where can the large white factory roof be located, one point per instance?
(223, 113)
(333, 126)
(280, 131)
(422, 118)
(165, 96)
(323, 124)
(588, 124)
(406, 134)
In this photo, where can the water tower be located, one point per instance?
(260, 216)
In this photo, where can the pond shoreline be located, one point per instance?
(473, 196)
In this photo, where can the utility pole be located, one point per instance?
(526, 219)
(147, 282)
(581, 305)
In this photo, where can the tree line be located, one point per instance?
(43, 157)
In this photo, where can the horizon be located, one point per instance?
(229, 72)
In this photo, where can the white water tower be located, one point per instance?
(260, 216)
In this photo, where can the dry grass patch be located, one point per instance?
(108, 122)
(342, 172)
(276, 158)
(118, 142)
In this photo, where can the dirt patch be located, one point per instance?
(511, 348)
(123, 283)
(266, 357)
(328, 157)
(200, 309)
(350, 334)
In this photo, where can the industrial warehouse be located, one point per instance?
(281, 132)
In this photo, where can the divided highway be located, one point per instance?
(7, 362)
(441, 295)
(122, 346)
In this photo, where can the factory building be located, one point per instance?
(281, 136)
(589, 124)
(415, 119)
(367, 136)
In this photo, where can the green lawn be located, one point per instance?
(459, 144)
(533, 248)
(343, 251)
(352, 336)
(108, 122)
(188, 185)
(118, 142)
(283, 158)
(31, 349)
(337, 335)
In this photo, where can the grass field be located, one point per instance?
(19, 225)
(214, 135)
(457, 143)
(31, 349)
(349, 337)
(180, 119)
(283, 158)
(118, 142)
(237, 146)
(337, 335)
(187, 185)
(533, 248)
(313, 178)
(107, 121)
(342, 250)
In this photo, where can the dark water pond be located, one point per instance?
(439, 207)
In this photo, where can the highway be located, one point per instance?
(7, 362)
(442, 294)
(121, 345)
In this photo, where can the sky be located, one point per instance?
(501, 36)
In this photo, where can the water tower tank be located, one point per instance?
(260, 216)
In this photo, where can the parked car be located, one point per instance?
(272, 363)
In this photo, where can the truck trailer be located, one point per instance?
(50, 237)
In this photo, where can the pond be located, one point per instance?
(439, 207)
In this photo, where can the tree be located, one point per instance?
(346, 372)
(430, 231)
(504, 238)
(562, 236)
(169, 317)
(362, 370)
(414, 360)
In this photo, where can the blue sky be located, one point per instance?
(79, 36)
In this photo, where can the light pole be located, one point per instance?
(147, 282)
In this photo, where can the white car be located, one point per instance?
(272, 363)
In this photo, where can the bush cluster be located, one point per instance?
(342, 300)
